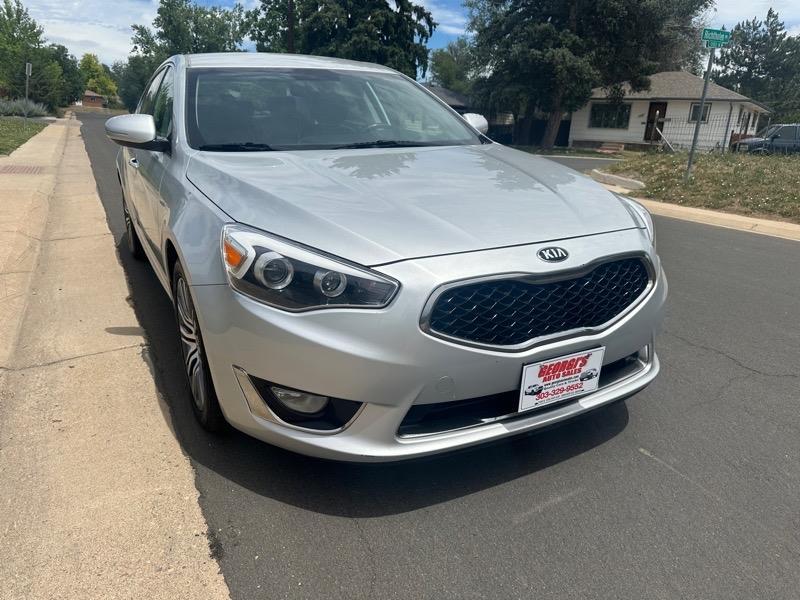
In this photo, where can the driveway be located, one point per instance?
(687, 490)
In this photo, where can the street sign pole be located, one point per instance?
(713, 39)
(699, 116)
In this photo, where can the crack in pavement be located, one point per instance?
(731, 358)
(69, 358)
(77, 237)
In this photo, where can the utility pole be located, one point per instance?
(290, 26)
(28, 71)
(699, 116)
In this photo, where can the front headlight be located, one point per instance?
(641, 215)
(291, 277)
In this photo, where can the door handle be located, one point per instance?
(134, 163)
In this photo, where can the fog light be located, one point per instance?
(302, 402)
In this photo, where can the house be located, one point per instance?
(458, 102)
(91, 98)
(667, 113)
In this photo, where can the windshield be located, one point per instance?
(243, 110)
(771, 131)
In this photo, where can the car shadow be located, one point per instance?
(327, 487)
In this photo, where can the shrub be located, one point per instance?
(21, 108)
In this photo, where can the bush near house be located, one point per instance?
(15, 131)
(760, 185)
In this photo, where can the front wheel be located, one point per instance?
(204, 398)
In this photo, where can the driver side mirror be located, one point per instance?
(479, 122)
(136, 131)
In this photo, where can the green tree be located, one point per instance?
(451, 66)
(96, 76)
(547, 55)
(393, 34)
(763, 63)
(73, 82)
(21, 41)
(182, 27)
(131, 77)
(20, 38)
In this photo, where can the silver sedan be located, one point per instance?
(359, 273)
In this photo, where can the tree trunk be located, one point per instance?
(551, 130)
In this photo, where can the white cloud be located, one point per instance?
(451, 19)
(99, 26)
(731, 12)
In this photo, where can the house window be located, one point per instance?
(695, 111)
(609, 116)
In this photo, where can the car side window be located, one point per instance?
(147, 103)
(162, 112)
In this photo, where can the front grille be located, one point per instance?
(508, 312)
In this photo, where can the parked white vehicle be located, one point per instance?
(358, 273)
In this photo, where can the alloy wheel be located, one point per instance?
(191, 344)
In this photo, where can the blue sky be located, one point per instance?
(103, 26)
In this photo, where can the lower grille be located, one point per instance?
(509, 312)
(441, 417)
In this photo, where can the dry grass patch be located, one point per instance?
(740, 183)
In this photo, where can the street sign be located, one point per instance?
(715, 38)
(28, 69)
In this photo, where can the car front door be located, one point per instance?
(153, 165)
(142, 212)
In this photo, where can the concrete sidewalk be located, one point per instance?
(98, 500)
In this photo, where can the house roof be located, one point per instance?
(91, 93)
(449, 97)
(680, 85)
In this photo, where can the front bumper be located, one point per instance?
(383, 359)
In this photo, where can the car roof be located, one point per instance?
(274, 60)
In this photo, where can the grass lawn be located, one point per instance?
(14, 132)
(767, 186)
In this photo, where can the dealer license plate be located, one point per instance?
(557, 379)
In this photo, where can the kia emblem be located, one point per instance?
(553, 254)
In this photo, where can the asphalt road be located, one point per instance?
(687, 490)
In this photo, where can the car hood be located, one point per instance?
(377, 206)
(752, 141)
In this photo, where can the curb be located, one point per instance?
(778, 229)
(616, 180)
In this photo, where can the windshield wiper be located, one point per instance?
(240, 147)
(384, 144)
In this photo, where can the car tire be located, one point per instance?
(132, 238)
(205, 404)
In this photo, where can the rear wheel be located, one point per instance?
(204, 399)
(132, 238)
